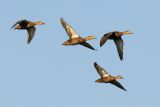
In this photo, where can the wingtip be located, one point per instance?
(124, 89)
(95, 64)
(61, 19)
(28, 42)
(12, 28)
(94, 49)
(121, 59)
(101, 44)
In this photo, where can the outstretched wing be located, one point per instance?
(116, 83)
(105, 38)
(19, 22)
(70, 31)
(101, 71)
(119, 45)
(87, 45)
(31, 32)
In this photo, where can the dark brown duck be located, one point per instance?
(116, 36)
(29, 26)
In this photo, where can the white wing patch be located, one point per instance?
(104, 74)
(71, 32)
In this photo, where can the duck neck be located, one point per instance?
(37, 23)
(118, 34)
(118, 77)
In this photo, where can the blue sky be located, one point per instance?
(48, 74)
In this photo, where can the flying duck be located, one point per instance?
(74, 38)
(29, 26)
(116, 36)
(106, 78)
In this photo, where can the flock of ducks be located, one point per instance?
(75, 39)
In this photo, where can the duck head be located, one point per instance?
(90, 37)
(119, 77)
(127, 32)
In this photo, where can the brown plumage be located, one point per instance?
(74, 38)
(106, 78)
(29, 26)
(116, 36)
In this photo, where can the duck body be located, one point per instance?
(108, 79)
(74, 41)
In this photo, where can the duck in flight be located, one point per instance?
(116, 36)
(106, 78)
(74, 38)
(29, 26)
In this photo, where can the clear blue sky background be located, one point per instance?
(47, 74)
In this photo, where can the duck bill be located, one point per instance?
(43, 23)
(129, 33)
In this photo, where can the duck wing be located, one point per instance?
(116, 83)
(105, 38)
(31, 32)
(87, 45)
(69, 30)
(21, 22)
(102, 72)
(119, 44)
